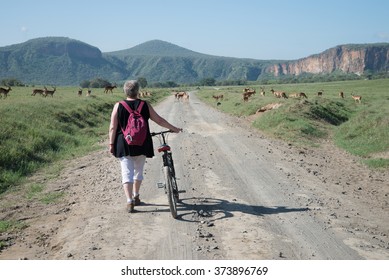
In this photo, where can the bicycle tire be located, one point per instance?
(169, 191)
(170, 163)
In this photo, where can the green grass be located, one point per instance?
(10, 226)
(7, 226)
(51, 197)
(361, 129)
(34, 190)
(37, 132)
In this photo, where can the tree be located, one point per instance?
(96, 83)
(142, 82)
(85, 84)
(208, 82)
(12, 82)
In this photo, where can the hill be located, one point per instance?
(64, 61)
(56, 60)
(156, 48)
(161, 61)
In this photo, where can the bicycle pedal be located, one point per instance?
(160, 185)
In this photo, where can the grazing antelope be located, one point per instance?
(180, 94)
(89, 92)
(49, 92)
(262, 91)
(37, 90)
(109, 88)
(249, 91)
(279, 94)
(298, 95)
(357, 98)
(4, 91)
(245, 98)
(341, 94)
(79, 92)
(320, 93)
(294, 95)
(217, 97)
(248, 94)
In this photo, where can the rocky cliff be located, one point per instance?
(346, 58)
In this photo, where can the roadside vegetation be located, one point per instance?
(38, 131)
(360, 128)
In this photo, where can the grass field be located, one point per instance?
(36, 131)
(361, 129)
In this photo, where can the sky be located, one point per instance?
(259, 29)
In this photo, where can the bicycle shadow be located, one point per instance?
(194, 208)
(217, 209)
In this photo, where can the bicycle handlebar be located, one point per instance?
(162, 132)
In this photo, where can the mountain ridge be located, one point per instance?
(65, 61)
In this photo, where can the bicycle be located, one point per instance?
(170, 186)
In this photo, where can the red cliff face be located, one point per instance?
(348, 59)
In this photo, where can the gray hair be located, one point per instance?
(131, 88)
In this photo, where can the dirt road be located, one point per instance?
(243, 197)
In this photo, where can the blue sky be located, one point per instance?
(273, 29)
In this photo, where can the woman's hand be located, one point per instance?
(176, 130)
(112, 149)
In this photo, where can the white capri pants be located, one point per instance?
(132, 168)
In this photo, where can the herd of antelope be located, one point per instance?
(50, 92)
(144, 94)
(247, 93)
(183, 95)
(44, 92)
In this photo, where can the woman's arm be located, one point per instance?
(113, 127)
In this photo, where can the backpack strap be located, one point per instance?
(128, 108)
(125, 105)
(140, 106)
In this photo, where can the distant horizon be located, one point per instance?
(255, 29)
(65, 37)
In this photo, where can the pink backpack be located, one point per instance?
(136, 130)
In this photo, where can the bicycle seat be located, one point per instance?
(163, 148)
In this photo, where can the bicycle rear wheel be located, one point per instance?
(170, 193)
(170, 163)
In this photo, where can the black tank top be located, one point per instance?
(121, 147)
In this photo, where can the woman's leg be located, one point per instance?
(139, 162)
(127, 187)
(127, 167)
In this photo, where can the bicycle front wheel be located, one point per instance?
(169, 191)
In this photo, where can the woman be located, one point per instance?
(132, 158)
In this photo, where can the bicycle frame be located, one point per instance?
(170, 186)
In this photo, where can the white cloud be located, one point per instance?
(23, 29)
(383, 36)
